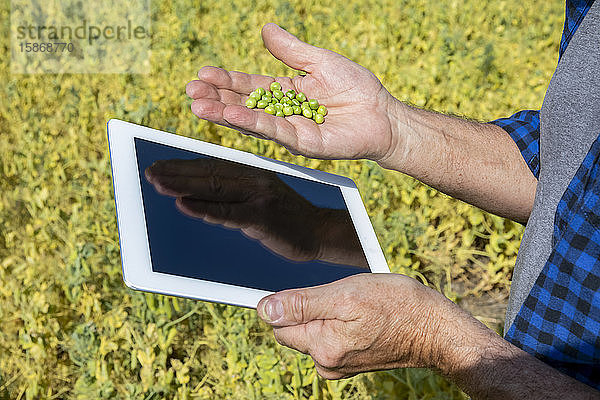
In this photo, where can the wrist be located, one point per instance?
(462, 346)
(452, 338)
(471, 352)
(439, 327)
(404, 140)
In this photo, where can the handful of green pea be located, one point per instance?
(280, 104)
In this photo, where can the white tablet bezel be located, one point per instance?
(133, 239)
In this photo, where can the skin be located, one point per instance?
(477, 163)
(342, 325)
(347, 330)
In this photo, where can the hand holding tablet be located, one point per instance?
(203, 221)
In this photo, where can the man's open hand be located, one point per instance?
(357, 124)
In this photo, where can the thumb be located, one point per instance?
(290, 50)
(294, 307)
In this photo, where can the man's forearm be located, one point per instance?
(474, 162)
(486, 366)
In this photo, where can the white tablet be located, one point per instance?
(207, 222)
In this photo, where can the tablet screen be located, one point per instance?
(223, 221)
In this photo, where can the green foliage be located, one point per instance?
(71, 329)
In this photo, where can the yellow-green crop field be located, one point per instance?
(70, 329)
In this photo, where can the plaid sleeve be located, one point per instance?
(524, 128)
(559, 322)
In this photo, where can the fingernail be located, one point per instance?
(272, 310)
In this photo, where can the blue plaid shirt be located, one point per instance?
(559, 321)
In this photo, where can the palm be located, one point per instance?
(356, 126)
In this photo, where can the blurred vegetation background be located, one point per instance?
(70, 329)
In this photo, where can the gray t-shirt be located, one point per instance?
(569, 124)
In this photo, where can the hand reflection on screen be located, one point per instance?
(261, 206)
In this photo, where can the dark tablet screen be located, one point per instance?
(222, 221)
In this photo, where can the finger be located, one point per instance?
(148, 174)
(293, 337)
(203, 90)
(271, 127)
(290, 50)
(204, 168)
(236, 85)
(301, 306)
(213, 111)
(308, 339)
(197, 167)
(250, 122)
(199, 89)
(210, 110)
(238, 82)
(211, 188)
(232, 215)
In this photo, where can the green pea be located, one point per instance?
(266, 98)
(278, 106)
(279, 114)
(255, 95)
(307, 112)
(275, 86)
(301, 97)
(322, 110)
(262, 103)
(278, 94)
(295, 102)
(305, 104)
(251, 102)
(290, 94)
(288, 110)
(261, 91)
(270, 109)
(313, 104)
(319, 119)
(285, 101)
(274, 100)
(297, 110)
